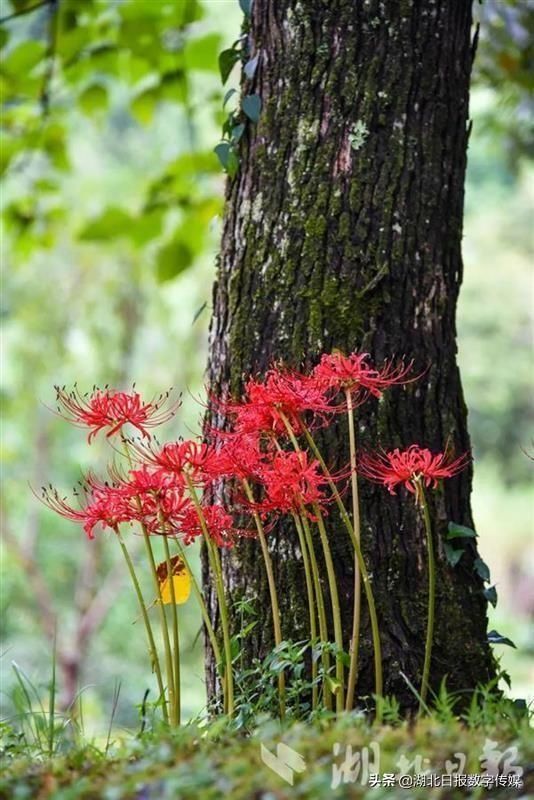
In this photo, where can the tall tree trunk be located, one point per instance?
(343, 229)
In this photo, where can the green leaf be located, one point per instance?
(94, 98)
(456, 531)
(190, 10)
(251, 105)
(333, 684)
(222, 151)
(482, 569)
(172, 259)
(235, 647)
(4, 37)
(112, 223)
(228, 157)
(22, 5)
(53, 142)
(491, 595)
(233, 164)
(453, 555)
(246, 630)
(201, 54)
(245, 6)
(344, 657)
(104, 58)
(11, 146)
(230, 93)
(174, 86)
(237, 132)
(146, 227)
(24, 57)
(227, 60)
(144, 10)
(506, 678)
(229, 123)
(520, 704)
(72, 43)
(494, 637)
(142, 106)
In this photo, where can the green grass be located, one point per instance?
(213, 761)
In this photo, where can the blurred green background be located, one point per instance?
(111, 203)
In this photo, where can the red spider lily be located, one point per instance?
(198, 459)
(240, 457)
(161, 512)
(409, 467)
(292, 483)
(146, 479)
(155, 496)
(108, 506)
(354, 372)
(111, 409)
(283, 393)
(219, 523)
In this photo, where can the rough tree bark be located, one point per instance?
(343, 229)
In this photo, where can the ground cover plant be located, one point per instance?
(487, 752)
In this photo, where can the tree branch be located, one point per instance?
(38, 584)
(27, 10)
(53, 29)
(100, 604)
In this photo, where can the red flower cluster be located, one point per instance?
(338, 372)
(111, 409)
(283, 395)
(239, 457)
(153, 497)
(198, 459)
(409, 467)
(155, 493)
(286, 396)
(219, 522)
(292, 483)
(106, 506)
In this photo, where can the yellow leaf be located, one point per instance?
(181, 581)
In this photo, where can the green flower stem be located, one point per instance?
(332, 584)
(203, 609)
(323, 629)
(215, 562)
(363, 570)
(356, 615)
(144, 613)
(336, 613)
(164, 628)
(313, 587)
(176, 633)
(163, 617)
(431, 598)
(273, 594)
(311, 606)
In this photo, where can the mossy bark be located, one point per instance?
(343, 229)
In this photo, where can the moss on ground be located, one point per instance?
(216, 762)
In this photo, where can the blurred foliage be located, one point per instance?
(77, 63)
(104, 205)
(505, 63)
(110, 203)
(495, 312)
